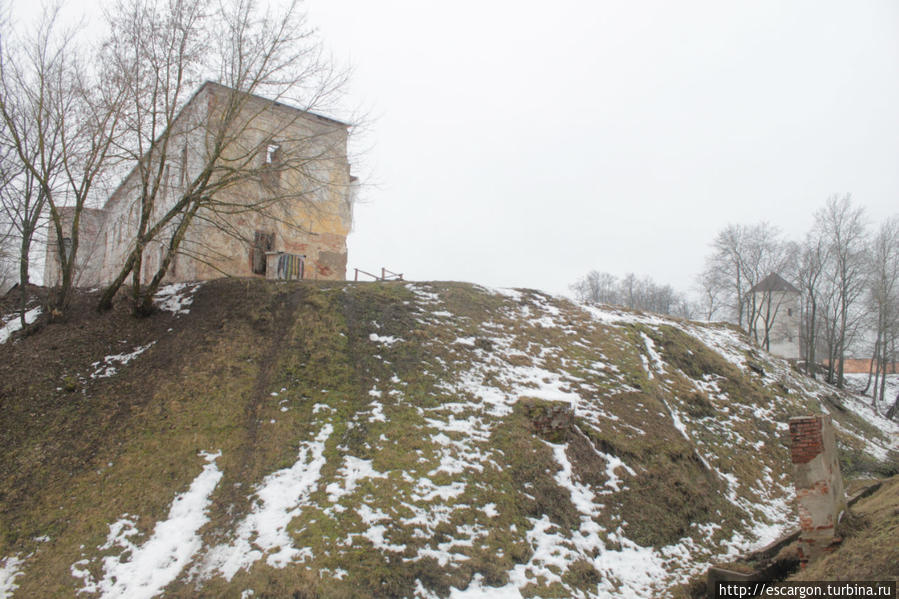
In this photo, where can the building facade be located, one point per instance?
(293, 198)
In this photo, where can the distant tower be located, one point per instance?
(777, 326)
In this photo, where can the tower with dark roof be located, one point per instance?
(777, 324)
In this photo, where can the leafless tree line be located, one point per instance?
(847, 276)
(74, 119)
(631, 292)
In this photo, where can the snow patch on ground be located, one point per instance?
(176, 298)
(10, 569)
(387, 340)
(141, 572)
(862, 404)
(353, 471)
(12, 323)
(503, 291)
(108, 366)
(613, 315)
(656, 360)
(279, 499)
(375, 534)
(422, 294)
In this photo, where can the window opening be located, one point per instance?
(272, 162)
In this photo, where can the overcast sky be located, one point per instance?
(525, 143)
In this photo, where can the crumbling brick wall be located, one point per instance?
(820, 496)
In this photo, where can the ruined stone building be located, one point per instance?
(288, 217)
(779, 313)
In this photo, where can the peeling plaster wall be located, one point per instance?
(308, 211)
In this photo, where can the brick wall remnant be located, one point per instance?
(820, 496)
(551, 420)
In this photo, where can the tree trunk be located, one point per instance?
(105, 302)
(893, 412)
(810, 366)
(145, 307)
(875, 358)
(884, 357)
(23, 275)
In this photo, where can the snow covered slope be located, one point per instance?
(344, 440)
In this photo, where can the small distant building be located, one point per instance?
(777, 326)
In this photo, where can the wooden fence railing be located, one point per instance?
(386, 275)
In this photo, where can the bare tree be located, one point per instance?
(31, 68)
(632, 292)
(883, 301)
(58, 126)
(712, 290)
(159, 53)
(842, 227)
(597, 287)
(743, 255)
(812, 258)
(725, 267)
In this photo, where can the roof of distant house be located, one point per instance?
(773, 282)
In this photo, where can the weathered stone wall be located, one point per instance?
(306, 208)
(820, 496)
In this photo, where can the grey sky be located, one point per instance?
(525, 143)
(521, 143)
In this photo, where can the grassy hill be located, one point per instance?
(393, 440)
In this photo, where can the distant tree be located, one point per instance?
(742, 256)
(812, 259)
(883, 302)
(842, 227)
(631, 292)
(725, 267)
(712, 291)
(597, 287)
